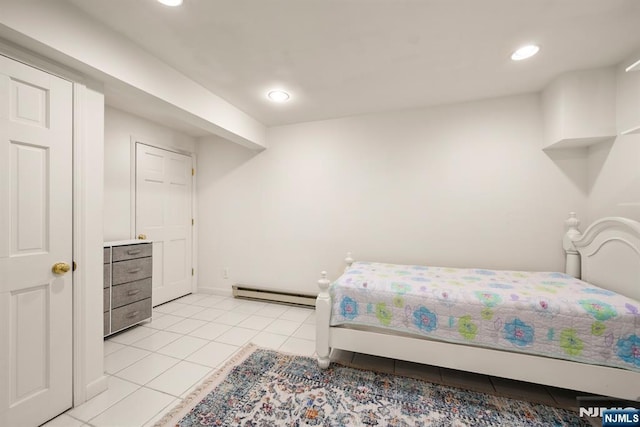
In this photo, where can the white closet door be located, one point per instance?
(163, 215)
(35, 234)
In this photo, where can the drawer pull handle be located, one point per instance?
(135, 270)
(134, 251)
(133, 292)
(132, 314)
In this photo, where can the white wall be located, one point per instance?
(119, 128)
(614, 166)
(459, 185)
(64, 33)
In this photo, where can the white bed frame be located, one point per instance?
(607, 255)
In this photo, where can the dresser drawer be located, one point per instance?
(106, 329)
(131, 292)
(130, 314)
(128, 267)
(107, 276)
(122, 253)
(128, 271)
(106, 300)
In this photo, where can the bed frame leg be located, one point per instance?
(323, 313)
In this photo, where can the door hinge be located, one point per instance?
(193, 221)
(193, 171)
(193, 272)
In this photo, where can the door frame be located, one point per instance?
(194, 212)
(83, 247)
(82, 240)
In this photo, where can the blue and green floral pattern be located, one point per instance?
(550, 314)
(519, 333)
(629, 349)
(598, 309)
(349, 308)
(425, 320)
(571, 343)
(467, 328)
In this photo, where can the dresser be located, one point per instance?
(127, 284)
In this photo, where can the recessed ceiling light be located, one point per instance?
(525, 52)
(171, 2)
(278, 96)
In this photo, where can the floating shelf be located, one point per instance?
(579, 109)
(631, 131)
(577, 142)
(633, 67)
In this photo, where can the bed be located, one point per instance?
(578, 330)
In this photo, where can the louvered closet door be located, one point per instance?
(35, 233)
(163, 214)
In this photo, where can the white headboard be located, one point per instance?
(607, 254)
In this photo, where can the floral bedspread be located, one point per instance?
(550, 314)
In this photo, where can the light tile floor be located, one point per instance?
(153, 366)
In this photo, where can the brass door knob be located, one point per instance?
(60, 268)
(142, 237)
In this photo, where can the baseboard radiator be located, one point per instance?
(242, 291)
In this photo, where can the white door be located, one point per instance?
(35, 234)
(163, 215)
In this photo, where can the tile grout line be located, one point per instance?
(224, 310)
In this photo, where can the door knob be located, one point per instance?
(60, 268)
(142, 237)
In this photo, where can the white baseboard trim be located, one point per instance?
(277, 296)
(96, 387)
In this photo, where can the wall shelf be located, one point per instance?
(631, 131)
(577, 142)
(632, 122)
(579, 109)
(633, 67)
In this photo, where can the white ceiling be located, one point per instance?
(345, 57)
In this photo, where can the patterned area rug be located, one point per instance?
(265, 388)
